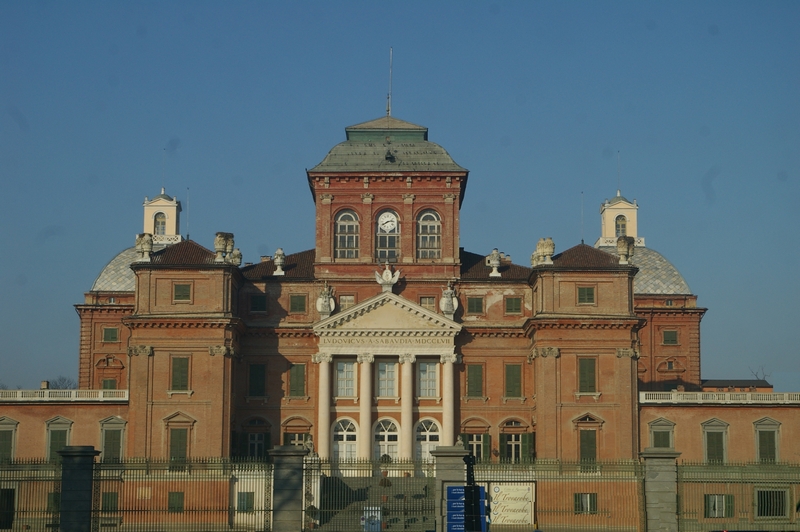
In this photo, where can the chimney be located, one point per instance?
(45, 385)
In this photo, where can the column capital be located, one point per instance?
(449, 357)
(317, 358)
(408, 357)
(365, 358)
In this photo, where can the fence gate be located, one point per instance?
(30, 495)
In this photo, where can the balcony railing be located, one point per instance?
(719, 398)
(63, 396)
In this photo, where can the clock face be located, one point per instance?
(387, 222)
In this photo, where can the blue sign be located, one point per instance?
(455, 493)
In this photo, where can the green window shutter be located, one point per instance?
(182, 292)
(180, 373)
(245, 501)
(58, 440)
(487, 448)
(715, 451)
(661, 439)
(258, 374)
(110, 334)
(576, 499)
(297, 380)
(109, 501)
(729, 506)
(109, 384)
(175, 502)
(178, 439)
(54, 502)
(6, 440)
(588, 446)
(297, 303)
(503, 442)
(670, 338)
(528, 440)
(513, 380)
(474, 305)
(258, 303)
(112, 445)
(766, 446)
(464, 441)
(513, 305)
(707, 502)
(587, 375)
(474, 380)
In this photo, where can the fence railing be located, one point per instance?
(30, 495)
(24, 396)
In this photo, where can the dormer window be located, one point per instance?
(621, 224)
(346, 235)
(429, 235)
(160, 227)
(387, 237)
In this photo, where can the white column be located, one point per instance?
(323, 443)
(365, 406)
(407, 407)
(448, 399)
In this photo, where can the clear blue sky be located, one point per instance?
(701, 100)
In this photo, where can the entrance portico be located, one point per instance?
(377, 336)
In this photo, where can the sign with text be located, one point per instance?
(511, 503)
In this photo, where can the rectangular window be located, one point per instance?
(181, 292)
(513, 380)
(718, 505)
(258, 303)
(585, 503)
(298, 439)
(474, 380)
(112, 445)
(387, 379)
(180, 373)
(588, 450)
(511, 447)
(426, 379)
(257, 444)
(474, 305)
(474, 443)
(297, 380)
(6, 445)
(54, 502)
(670, 338)
(175, 502)
(58, 440)
(109, 501)
(178, 443)
(771, 503)
(662, 439)
(513, 305)
(715, 447)
(257, 387)
(109, 384)
(110, 334)
(297, 303)
(345, 379)
(587, 375)
(767, 448)
(346, 301)
(428, 303)
(586, 295)
(246, 501)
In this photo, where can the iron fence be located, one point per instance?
(738, 496)
(368, 495)
(30, 495)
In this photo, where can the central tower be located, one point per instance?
(387, 195)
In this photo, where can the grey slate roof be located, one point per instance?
(656, 274)
(117, 276)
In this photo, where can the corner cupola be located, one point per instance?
(618, 218)
(162, 219)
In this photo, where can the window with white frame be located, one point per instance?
(345, 379)
(585, 503)
(427, 373)
(160, 225)
(767, 431)
(717, 505)
(661, 433)
(429, 235)
(427, 438)
(386, 438)
(621, 225)
(475, 443)
(345, 440)
(387, 379)
(346, 301)
(347, 235)
(8, 432)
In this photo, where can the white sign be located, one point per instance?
(511, 503)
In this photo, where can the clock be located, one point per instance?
(387, 222)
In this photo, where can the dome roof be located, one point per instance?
(656, 274)
(117, 276)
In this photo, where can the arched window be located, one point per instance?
(622, 225)
(427, 436)
(346, 235)
(386, 437)
(161, 224)
(429, 235)
(387, 237)
(345, 440)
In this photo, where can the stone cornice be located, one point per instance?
(497, 333)
(385, 333)
(182, 323)
(280, 333)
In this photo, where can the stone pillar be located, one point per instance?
(287, 488)
(450, 471)
(448, 399)
(77, 466)
(407, 407)
(365, 406)
(324, 405)
(661, 489)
